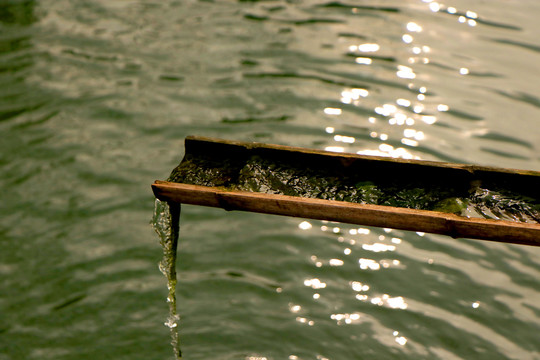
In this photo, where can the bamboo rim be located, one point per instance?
(352, 213)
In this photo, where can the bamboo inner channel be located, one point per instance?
(467, 191)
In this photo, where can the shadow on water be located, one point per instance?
(17, 56)
(18, 12)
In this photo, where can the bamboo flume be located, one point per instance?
(358, 189)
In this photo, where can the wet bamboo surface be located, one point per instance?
(356, 213)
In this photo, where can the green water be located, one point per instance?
(97, 97)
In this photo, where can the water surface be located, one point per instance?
(97, 97)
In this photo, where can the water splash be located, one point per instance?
(504, 205)
(166, 223)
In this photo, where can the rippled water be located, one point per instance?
(97, 97)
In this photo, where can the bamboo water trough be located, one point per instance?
(356, 189)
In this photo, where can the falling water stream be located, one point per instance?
(166, 224)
